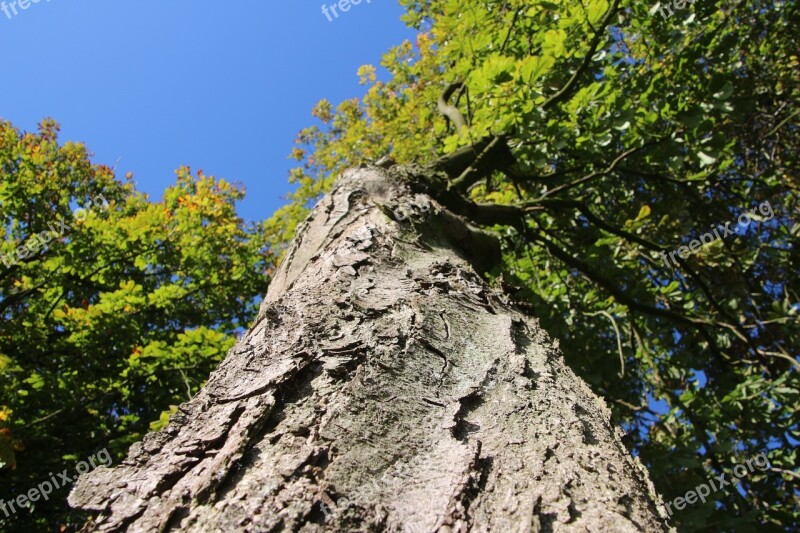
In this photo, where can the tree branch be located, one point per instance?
(449, 111)
(608, 170)
(566, 91)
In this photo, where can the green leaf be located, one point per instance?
(705, 159)
(532, 68)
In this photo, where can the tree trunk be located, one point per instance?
(384, 386)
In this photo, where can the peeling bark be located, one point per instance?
(384, 386)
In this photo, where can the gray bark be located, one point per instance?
(384, 386)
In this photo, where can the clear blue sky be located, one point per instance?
(221, 86)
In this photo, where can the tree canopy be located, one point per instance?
(595, 138)
(116, 315)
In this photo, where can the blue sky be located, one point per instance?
(218, 86)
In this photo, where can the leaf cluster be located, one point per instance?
(116, 319)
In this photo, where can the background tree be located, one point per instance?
(116, 320)
(593, 136)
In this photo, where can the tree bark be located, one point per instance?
(384, 386)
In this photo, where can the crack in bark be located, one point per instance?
(467, 404)
(430, 347)
(446, 325)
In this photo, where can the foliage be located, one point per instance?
(111, 323)
(631, 134)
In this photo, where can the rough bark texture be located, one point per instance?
(384, 386)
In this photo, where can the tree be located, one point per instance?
(595, 138)
(384, 386)
(112, 307)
